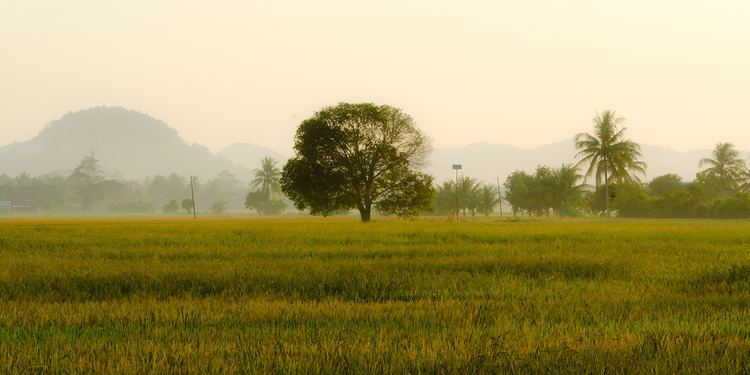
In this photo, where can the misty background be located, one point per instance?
(521, 73)
(192, 88)
(135, 145)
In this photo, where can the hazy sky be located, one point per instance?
(519, 72)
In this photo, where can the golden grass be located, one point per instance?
(139, 295)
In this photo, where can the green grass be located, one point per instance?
(142, 295)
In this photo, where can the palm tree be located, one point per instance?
(446, 199)
(566, 187)
(467, 194)
(267, 176)
(487, 199)
(726, 168)
(609, 155)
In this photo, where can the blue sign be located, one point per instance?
(6, 204)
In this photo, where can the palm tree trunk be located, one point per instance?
(606, 192)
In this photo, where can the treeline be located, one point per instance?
(548, 191)
(371, 164)
(466, 196)
(87, 189)
(665, 196)
(720, 190)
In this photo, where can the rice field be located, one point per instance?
(137, 295)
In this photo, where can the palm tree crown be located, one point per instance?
(565, 187)
(488, 199)
(609, 155)
(267, 176)
(726, 168)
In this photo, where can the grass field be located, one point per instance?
(333, 296)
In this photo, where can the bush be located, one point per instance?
(260, 201)
(171, 207)
(218, 208)
(133, 207)
(735, 207)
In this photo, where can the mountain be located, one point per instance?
(248, 155)
(126, 143)
(488, 161)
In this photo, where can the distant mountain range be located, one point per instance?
(131, 145)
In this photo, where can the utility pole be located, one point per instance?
(457, 167)
(192, 194)
(500, 196)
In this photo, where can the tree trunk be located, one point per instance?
(364, 213)
(606, 192)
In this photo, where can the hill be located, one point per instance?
(127, 143)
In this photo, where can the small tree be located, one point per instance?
(488, 198)
(517, 186)
(259, 201)
(665, 185)
(445, 198)
(565, 188)
(468, 194)
(187, 205)
(85, 178)
(87, 173)
(267, 177)
(218, 208)
(726, 173)
(171, 207)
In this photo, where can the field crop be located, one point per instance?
(336, 296)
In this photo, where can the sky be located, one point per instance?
(524, 73)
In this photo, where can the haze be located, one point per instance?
(524, 73)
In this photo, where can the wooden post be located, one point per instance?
(192, 194)
(500, 196)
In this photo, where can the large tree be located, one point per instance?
(610, 157)
(359, 156)
(726, 171)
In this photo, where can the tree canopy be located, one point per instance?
(267, 176)
(359, 156)
(726, 172)
(264, 188)
(555, 190)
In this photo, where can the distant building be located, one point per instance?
(24, 209)
(15, 207)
